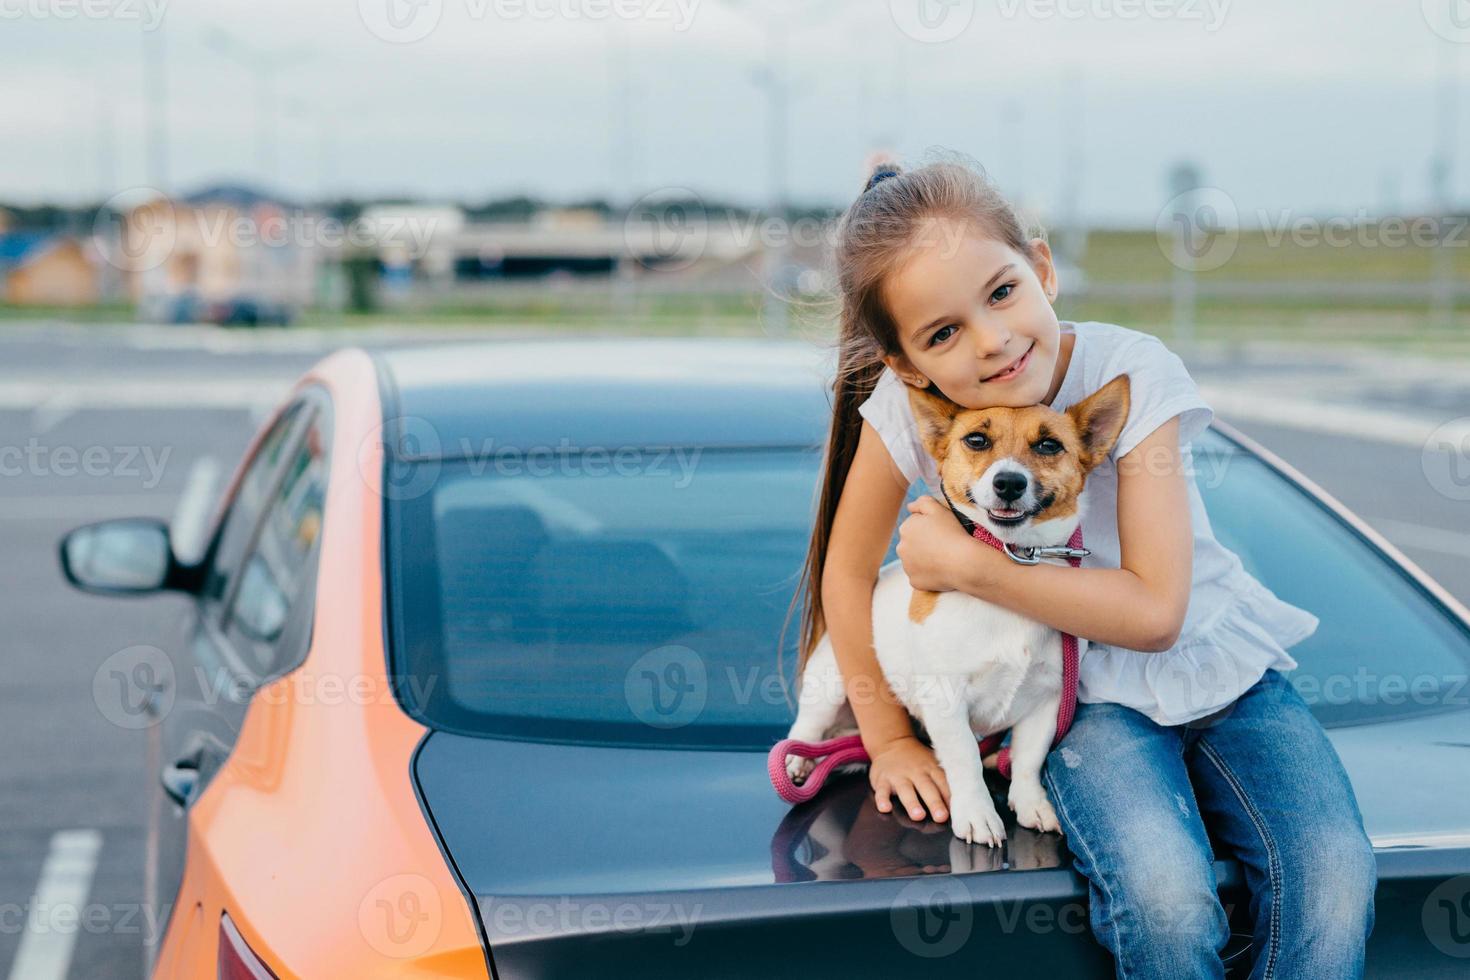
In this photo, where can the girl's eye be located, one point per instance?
(1006, 288)
(940, 336)
(1048, 447)
(977, 440)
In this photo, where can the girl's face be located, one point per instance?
(968, 308)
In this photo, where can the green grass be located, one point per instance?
(1138, 256)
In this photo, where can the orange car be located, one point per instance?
(478, 673)
(287, 840)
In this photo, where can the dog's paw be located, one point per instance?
(974, 820)
(1032, 808)
(798, 768)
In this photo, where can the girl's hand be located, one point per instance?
(932, 546)
(907, 767)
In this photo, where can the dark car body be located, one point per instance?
(600, 847)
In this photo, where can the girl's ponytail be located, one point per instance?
(874, 236)
(857, 373)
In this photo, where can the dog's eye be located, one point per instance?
(1048, 447)
(977, 440)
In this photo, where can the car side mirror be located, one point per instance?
(130, 556)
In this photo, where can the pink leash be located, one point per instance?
(835, 752)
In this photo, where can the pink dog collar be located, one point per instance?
(835, 752)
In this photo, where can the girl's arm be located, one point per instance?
(1138, 606)
(861, 530)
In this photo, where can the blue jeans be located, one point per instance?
(1134, 797)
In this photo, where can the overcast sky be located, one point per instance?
(1317, 107)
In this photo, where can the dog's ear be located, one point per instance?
(1099, 420)
(935, 415)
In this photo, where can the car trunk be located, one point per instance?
(653, 862)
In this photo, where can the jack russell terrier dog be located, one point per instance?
(963, 667)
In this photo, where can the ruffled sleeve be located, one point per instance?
(887, 410)
(1159, 388)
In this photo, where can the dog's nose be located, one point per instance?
(1009, 485)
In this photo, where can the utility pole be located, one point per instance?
(775, 79)
(1184, 183)
(1442, 287)
(155, 107)
(264, 65)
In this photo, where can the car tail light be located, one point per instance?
(237, 961)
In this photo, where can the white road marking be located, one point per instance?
(55, 410)
(57, 907)
(1380, 425)
(1409, 535)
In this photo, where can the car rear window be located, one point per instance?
(632, 598)
(638, 598)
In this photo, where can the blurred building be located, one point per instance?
(226, 254)
(436, 247)
(47, 269)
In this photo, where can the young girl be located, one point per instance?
(1184, 717)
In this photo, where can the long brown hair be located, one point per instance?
(874, 236)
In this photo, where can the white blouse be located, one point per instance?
(1235, 629)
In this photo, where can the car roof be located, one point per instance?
(462, 400)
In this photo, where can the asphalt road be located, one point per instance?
(148, 405)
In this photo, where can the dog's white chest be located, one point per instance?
(998, 663)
